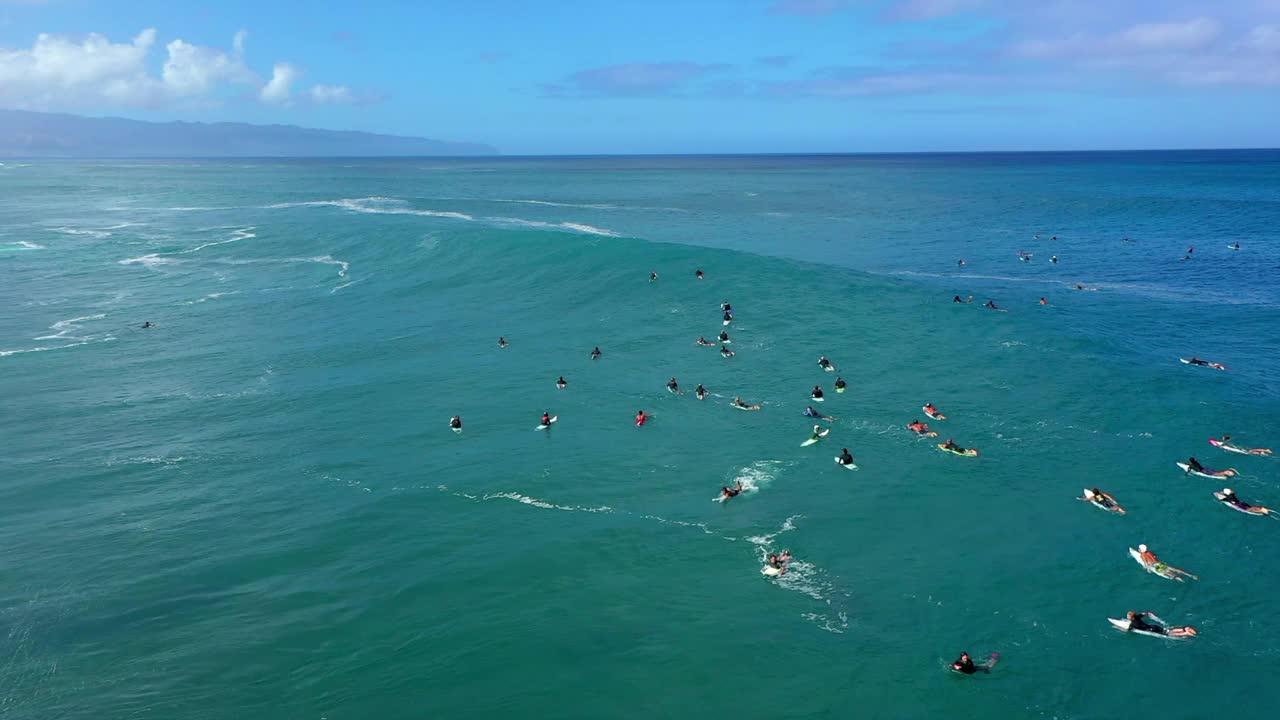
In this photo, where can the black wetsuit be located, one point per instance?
(846, 459)
(964, 665)
(1194, 464)
(1137, 623)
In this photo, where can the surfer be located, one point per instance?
(1054, 259)
(724, 336)
(653, 277)
(739, 402)
(455, 422)
(918, 427)
(727, 493)
(930, 409)
(725, 351)
(1043, 301)
(502, 341)
(964, 664)
(810, 412)
(957, 299)
(546, 419)
(698, 274)
(1235, 246)
(147, 324)
(840, 384)
(817, 433)
(1138, 623)
(1160, 567)
(952, 446)
(1194, 465)
(673, 386)
(823, 362)
(595, 354)
(1098, 497)
(960, 262)
(991, 305)
(817, 392)
(728, 316)
(561, 383)
(1229, 497)
(704, 342)
(846, 457)
(700, 391)
(641, 418)
(779, 561)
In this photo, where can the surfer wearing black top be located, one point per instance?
(964, 664)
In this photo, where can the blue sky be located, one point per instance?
(666, 76)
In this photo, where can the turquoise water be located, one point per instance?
(255, 509)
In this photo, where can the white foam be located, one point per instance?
(375, 206)
(64, 328)
(787, 526)
(573, 227)
(535, 502)
(590, 206)
(82, 231)
(236, 236)
(6, 353)
(150, 261)
(24, 245)
(213, 296)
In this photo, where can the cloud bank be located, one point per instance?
(59, 72)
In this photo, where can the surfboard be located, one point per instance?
(926, 433)
(1210, 472)
(561, 387)
(968, 452)
(933, 416)
(1124, 626)
(544, 427)
(813, 440)
(456, 430)
(674, 391)
(829, 368)
(849, 466)
(817, 399)
(1213, 366)
(840, 389)
(770, 571)
(1093, 500)
(1238, 450)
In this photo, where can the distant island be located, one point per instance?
(54, 135)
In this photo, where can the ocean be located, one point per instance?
(255, 508)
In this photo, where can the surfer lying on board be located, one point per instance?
(929, 408)
(1095, 495)
(1197, 361)
(1193, 465)
(810, 412)
(727, 493)
(918, 427)
(779, 562)
(1137, 622)
(991, 305)
(703, 341)
(823, 362)
(725, 351)
(846, 457)
(1150, 560)
(739, 402)
(1229, 497)
(952, 446)
(957, 299)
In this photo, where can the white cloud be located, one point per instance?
(1189, 35)
(331, 94)
(1265, 38)
(278, 90)
(59, 72)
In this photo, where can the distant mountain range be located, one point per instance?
(35, 134)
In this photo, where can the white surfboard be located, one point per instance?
(1137, 557)
(1124, 625)
(544, 427)
(817, 399)
(1228, 473)
(770, 571)
(1237, 508)
(849, 466)
(456, 430)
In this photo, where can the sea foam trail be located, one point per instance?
(394, 206)
(236, 236)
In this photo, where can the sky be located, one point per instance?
(670, 76)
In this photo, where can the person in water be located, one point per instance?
(1105, 500)
(698, 274)
(561, 383)
(725, 351)
(991, 304)
(1043, 301)
(673, 386)
(964, 664)
(147, 324)
(727, 493)
(728, 316)
(823, 362)
(846, 457)
(1193, 465)
(1137, 621)
(957, 299)
(1054, 259)
(952, 446)
(546, 418)
(779, 560)
(455, 422)
(1150, 560)
(919, 427)
(704, 341)
(817, 392)
(810, 412)
(641, 418)
(502, 342)
(653, 276)
(930, 409)
(595, 354)
(700, 391)
(817, 432)
(724, 336)
(1229, 497)
(1236, 246)
(840, 383)
(960, 262)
